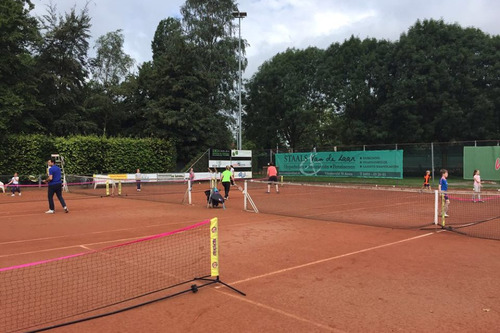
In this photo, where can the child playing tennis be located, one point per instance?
(427, 177)
(272, 173)
(15, 185)
(477, 187)
(443, 187)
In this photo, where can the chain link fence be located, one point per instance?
(417, 157)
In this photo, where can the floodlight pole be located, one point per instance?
(239, 15)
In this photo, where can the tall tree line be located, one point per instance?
(438, 82)
(50, 85)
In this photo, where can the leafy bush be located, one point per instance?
(85, 155)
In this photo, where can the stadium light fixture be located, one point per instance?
(239, 15)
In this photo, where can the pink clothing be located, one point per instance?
(272, 171)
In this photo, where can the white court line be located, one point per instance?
(333, 258)
(267, 307)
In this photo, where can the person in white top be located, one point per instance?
(15, 185)
(138, 178)
(477, 187)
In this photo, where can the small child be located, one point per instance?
(443, 187)
(477, 187)
(138, 178)
(427, 177)
(15, 185)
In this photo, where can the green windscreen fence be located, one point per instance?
(485, 159)
(362, 164)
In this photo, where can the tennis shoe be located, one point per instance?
(446, 215)
(50, 211)
(19, 194)
(66, 210)
(13, 195)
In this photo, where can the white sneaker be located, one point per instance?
(13, 195)
(446, 215)
(66, 210)
(19, 194)
(50, 211)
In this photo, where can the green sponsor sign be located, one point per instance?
(485, 159)
(362, 164)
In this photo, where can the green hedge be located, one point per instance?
(86, 155)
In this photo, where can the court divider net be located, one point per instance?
(382, 206)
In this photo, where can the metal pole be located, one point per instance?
(239, 85)
(432, 161)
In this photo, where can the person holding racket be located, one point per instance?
(15, 185)
(226, 178)
(443, 187)
(272, 173)
(55, 187)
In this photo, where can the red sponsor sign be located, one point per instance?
(497, 164)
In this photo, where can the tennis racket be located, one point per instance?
(33, 178)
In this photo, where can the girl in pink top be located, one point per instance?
(477, 187)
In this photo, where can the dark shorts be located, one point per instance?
(427, 184)
(273, 179)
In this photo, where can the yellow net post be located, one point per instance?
(214, 246)
(107, 188)
(119, 187)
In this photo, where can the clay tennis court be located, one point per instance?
(299, 274)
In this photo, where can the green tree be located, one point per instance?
(209, 26)
(173, 95)
(443, 82)
(105, 93)
(111, 64)
(18, 37)
(284, 104)
(63, 71)
(354, 78)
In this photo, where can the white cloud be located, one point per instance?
(272, 26)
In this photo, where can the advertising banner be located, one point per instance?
(361, 164)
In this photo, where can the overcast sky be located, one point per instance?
(272, 26)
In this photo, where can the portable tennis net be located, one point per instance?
(384, 206)
(70, 289)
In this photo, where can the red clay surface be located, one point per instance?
(300, 275)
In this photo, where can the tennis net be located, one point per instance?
(165, 190)
(78, 187)
(473, 214)
(384, 206)
(48, 293)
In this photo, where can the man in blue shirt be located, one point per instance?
(55, 186)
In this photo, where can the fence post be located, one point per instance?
(432, 161)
